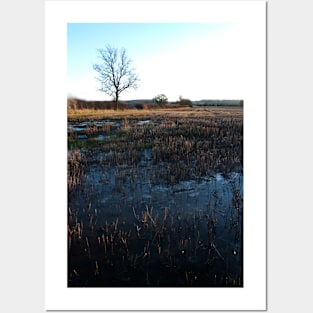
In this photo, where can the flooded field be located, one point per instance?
(156, 200)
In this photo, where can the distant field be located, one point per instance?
(78, 115)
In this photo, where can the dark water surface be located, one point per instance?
(138, 226)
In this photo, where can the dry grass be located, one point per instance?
(86, 114)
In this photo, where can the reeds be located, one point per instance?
(142, 243)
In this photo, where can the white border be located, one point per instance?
(253, 295)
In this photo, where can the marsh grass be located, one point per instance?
(141, 244)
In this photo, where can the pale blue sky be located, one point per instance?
(194, 60)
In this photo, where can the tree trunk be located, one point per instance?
(116, 101)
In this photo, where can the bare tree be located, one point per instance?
(115, 73)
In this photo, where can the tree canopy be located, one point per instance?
(160, 99)
(184, 101)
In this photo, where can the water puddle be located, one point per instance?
(82, 136)
(83, 125)
(143, 122)
(102, 137)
